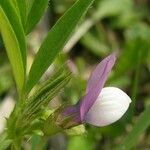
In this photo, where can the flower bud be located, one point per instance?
(109, 107)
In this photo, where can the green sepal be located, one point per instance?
(78, 130)
(37, 103)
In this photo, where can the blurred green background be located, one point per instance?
(120, 26)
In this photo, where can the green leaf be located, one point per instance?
(22, 10)
(56, 40)
(36, 10)
(29, 4)
(16, 25)
(13, 49)
(142, 124)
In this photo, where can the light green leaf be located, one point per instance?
(56, 40)
(13, 50)
(16, 25)
(142, 124)
(36, 10)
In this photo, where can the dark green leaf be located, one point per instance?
(22, 10)
(56, 40)
(29, 4)
(36, 10)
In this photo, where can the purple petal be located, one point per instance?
(100, 69)
(95, 84)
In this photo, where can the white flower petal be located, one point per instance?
(109, 107)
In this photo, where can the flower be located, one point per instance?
(99, 106)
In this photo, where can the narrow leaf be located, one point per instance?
(36, 11)
(56, 40)
(16, 25)
(22, 10)
(142, 124)
(29, 4)
(13, 49)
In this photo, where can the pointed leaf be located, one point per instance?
(15, 22)
(22, 10)
(36, 11)
(13, 50)
(56, 40)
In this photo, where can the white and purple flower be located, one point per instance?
(99, 106)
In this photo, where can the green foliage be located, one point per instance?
(46, 93)
(4, 142)
(14, 42)
(16, 17)
(34, 107)
(15, 22)
(36, 9)
(22, 11)
(111, 25)
(55, 41)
